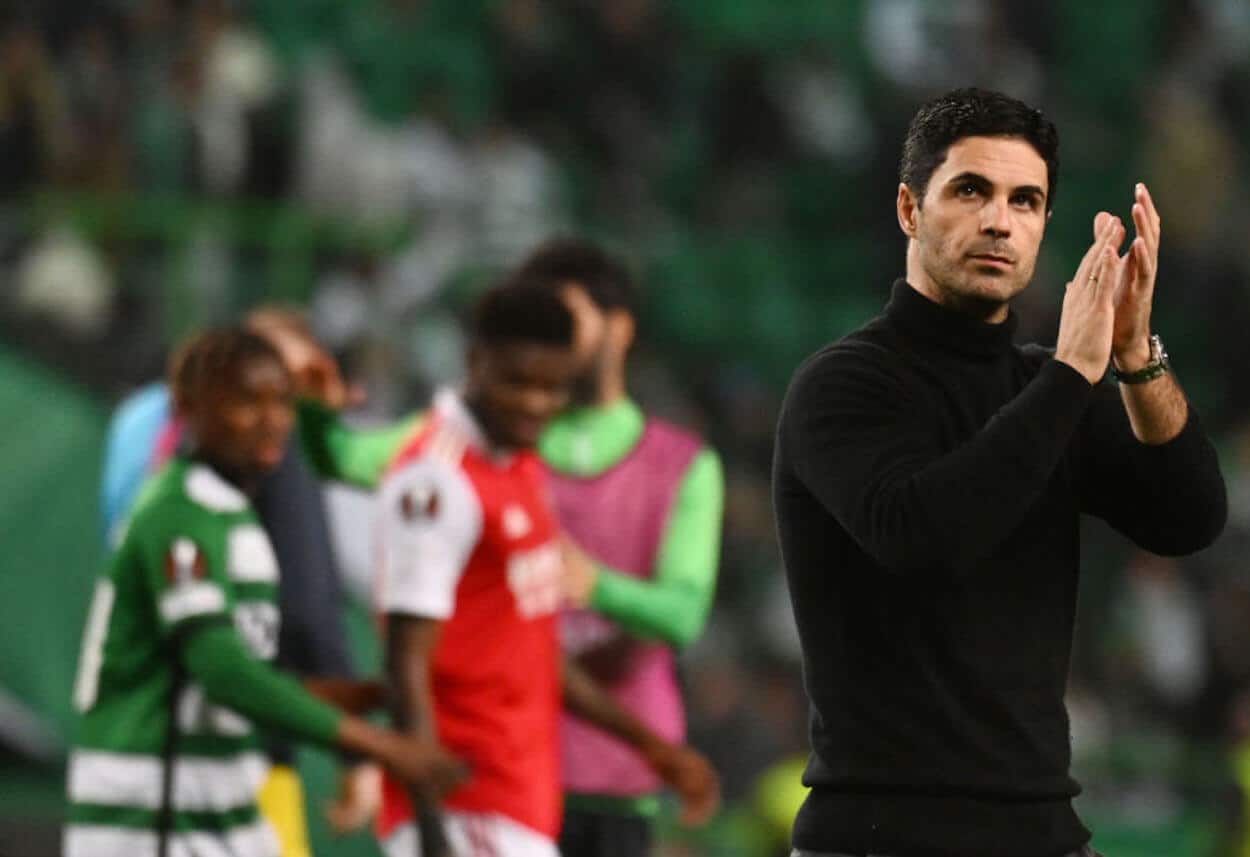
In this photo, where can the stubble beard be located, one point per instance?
(967, 291)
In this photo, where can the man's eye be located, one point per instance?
(967, 190)
(1024, 200)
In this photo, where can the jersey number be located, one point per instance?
(534, 578)
(87, 684)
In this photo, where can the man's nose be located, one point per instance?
(996, 217)
(278, 417)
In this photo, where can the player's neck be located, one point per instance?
(611, 389)
(481, 417)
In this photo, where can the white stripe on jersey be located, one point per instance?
(191, 599)
(197, 715)
(249, 555)
(87, 683)
(254, 840)
(134, 781)
(212, 492)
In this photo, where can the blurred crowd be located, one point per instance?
(165, 163)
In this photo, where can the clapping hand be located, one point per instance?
(1134, 285)
(1087, 323)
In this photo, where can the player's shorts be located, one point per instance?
(475, 835)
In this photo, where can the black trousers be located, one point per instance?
(597, 834)
(798, 852)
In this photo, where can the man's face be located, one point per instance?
(518, 387)
(590, 343)
(245, 424)
(978, 232)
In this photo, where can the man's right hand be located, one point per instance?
(424, 765)
(1088, 318)
(418, 762)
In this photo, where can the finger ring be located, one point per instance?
(1093, 278)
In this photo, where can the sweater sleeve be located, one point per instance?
(851, 435)
(344, 454)
(1168, 498)
(673, 604)
(214, 655)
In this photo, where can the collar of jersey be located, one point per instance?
(454, 414)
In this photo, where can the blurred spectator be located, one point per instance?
(34, 134)
(63, 279)
(96, 92)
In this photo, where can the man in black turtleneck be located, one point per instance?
(929, 478)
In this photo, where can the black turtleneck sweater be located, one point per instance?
(929, 478)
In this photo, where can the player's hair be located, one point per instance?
(974, 113)
(522, 310)
(564, 259)
(214, 357)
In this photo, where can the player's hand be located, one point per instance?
(418, 762)
(358, 799)
(578, 573)
(691, 776)
(315, 372)
(424, 765)
(1134, 294)
(1088, 318)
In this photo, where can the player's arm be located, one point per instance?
(185, 572)
(355, 696)
(850, 434)
(430, 523)
(673, 605)
(410, 642)
(213, 654)
(684, 770)
(1169, 497)
(344, 454)
(1147, 466)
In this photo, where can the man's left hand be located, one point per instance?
(1134, 287)
(577, 578)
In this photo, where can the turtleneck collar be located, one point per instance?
(946, 329)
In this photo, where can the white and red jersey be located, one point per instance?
(469, 537)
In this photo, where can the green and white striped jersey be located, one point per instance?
(153, 757)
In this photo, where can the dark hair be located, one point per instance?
(522, 310)
(604, 277)
(212, 357)
(974, 113)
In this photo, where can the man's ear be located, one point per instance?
(907, 206)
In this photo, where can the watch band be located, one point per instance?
(1158, 365)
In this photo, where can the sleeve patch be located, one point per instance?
(420, 504)
(184, 563)
(191, 599)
